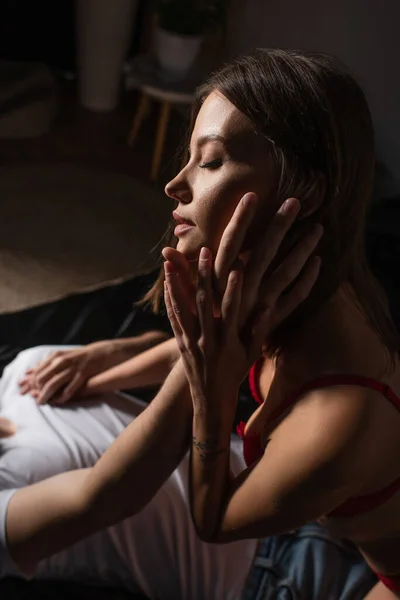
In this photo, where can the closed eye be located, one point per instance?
(211, 164)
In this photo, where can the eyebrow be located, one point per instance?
(210, 137)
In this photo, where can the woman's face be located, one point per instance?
(227, 159)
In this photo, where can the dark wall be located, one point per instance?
(43, 30)
(40, 30)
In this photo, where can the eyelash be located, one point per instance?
(212, 164)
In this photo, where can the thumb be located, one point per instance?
(7, 428)
(71, 390)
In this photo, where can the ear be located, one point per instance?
(312, 196)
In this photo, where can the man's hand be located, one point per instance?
(63, 374)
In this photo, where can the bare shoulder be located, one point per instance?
(340, 409)
(330, 425)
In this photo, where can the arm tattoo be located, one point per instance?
(208, 450)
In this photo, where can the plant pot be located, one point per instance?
(103, 36)
(175, 53)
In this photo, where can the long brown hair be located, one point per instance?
(318, 125)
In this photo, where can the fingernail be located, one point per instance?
(249, 199)
(205, 253)
(169, 267)
(291, 204)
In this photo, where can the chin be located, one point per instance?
(190, 246)
(190, 251)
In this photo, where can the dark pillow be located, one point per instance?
(105, 313)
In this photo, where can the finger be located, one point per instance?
(300, 291)
(263, 255)
(70, 390)
(179, 259)
(290, 268)
(38, 365)
(269, 318)
(53, 386)
(232, 297)
(7, 428)
(43, 364)
(232, 239)
(25, 387)
(49, 360)
(52, 368)
(28, 375)
(182, 267)
(179, 302)
(172, 317)
(204, 298)
(25, 383)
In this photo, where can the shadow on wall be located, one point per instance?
(362, 33)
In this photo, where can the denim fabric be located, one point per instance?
(307, 564)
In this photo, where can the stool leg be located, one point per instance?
(161, 131)
(141, 113)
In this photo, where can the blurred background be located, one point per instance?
(94, 98)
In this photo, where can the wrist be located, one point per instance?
(213, 420)
(126, 348)
(97, 384)
(121, 349)
(216, 405)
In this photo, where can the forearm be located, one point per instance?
(210, 475)
(46, 517)
(123, 349)
(150, 368)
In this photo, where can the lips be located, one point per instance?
(181, 221)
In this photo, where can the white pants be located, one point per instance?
(156, 551)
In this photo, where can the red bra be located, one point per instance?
(252, 449)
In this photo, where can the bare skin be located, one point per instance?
(64, 374)
(344, 440)
(53, 514)
(300, 456)
(374, 451)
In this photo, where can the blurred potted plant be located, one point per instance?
(181, 27)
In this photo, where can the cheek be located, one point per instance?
(217, 215)
(259, 226)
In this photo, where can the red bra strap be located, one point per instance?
(254, 378)
(321, 382)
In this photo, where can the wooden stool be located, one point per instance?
(146, 76)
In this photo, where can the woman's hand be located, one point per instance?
(63, 374)
(218, 350)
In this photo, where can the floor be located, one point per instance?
(98, 139)
(32, 270)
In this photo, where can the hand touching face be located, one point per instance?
(227, 159)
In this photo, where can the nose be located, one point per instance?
(179, 189)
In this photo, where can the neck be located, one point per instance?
(332, 340)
